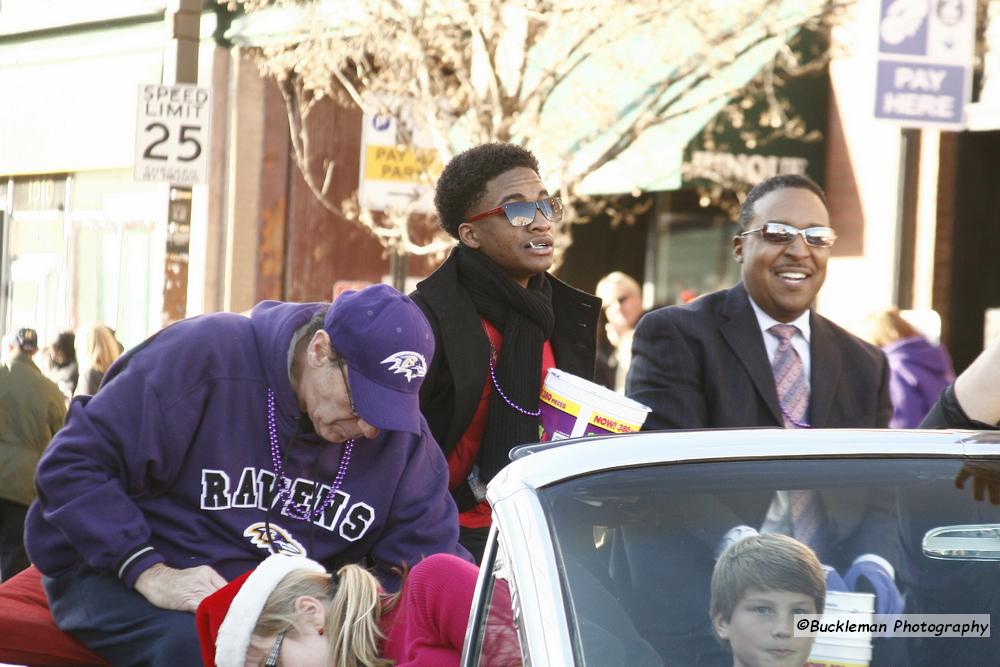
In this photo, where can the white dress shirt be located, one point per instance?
(778, 518)
(800, 340)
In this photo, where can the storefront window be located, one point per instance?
(34, 255)
(690, 255)
(112, 278)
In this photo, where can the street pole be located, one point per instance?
(399, 263)
(906, 216)
(180, 65)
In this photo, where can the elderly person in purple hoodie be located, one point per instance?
(223, 439)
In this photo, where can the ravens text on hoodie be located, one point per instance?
(171, 462)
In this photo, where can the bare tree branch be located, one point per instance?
(481, 70)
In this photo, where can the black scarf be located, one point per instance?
(525, 318)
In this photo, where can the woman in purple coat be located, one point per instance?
(919, 369)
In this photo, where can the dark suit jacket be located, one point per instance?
(450, 392)
(704, 365)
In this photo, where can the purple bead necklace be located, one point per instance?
(296, 510)
(496, 385)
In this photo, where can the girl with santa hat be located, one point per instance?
(290, 611)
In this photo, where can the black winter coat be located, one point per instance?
(450, 392)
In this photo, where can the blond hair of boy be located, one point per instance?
(759, 584)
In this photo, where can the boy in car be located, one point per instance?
(759, 584)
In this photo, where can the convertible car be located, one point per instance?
(602, 548)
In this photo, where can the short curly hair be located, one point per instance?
(779, 182)
(463, 182)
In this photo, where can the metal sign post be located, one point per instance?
(180, 66)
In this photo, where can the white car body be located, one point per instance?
(523, 550)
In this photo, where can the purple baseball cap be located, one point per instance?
(388, 345)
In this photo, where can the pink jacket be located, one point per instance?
(427, 627)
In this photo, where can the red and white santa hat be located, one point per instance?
(227, 617)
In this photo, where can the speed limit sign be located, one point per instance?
(172, 134)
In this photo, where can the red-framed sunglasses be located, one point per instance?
(521, 213)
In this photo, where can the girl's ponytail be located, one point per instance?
(353, 620)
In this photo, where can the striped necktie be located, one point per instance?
(805, 507)
(789, 377)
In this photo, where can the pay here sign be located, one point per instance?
(925, 52)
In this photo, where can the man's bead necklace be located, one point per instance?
(296, 510)
(496, 385)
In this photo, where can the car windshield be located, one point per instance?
(636, 548)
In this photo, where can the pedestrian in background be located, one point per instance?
(919, 369)
(621, 297)
(63, 369)
(32, 409)
(96, 350)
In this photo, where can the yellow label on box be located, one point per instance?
(611, 424)
(559, 402)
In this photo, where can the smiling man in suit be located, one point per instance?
(757, 354)
(710, 363)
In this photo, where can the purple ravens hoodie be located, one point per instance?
(171, 462)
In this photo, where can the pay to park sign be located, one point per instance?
(172, 134)
(925, 52)
(394, 175)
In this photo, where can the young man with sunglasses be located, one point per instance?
(757, 354)
(223, 439)
(500, 321)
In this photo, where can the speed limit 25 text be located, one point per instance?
(174, 102)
